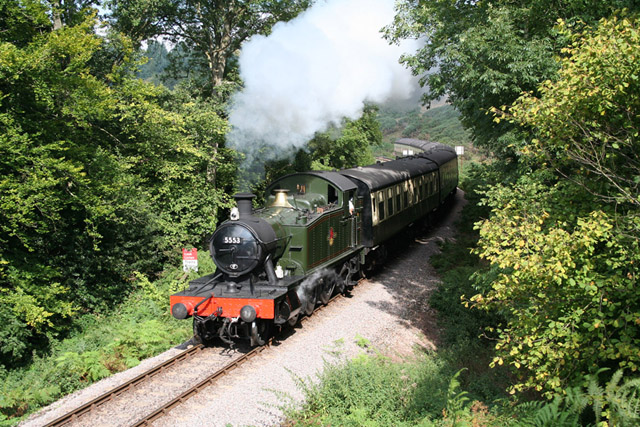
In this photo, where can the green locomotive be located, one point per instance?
(316, 234)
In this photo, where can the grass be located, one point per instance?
(103, 344)
(450, 386)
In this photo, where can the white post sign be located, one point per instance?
(190, 259)
(460, 152)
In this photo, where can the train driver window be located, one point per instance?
(332, 195)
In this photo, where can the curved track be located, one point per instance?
(174, 363)
(123, 388)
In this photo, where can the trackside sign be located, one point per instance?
(190, 259)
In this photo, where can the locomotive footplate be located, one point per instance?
(236, 309)
(206, 298)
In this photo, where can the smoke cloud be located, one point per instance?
(315, 70)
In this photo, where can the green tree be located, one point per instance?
(70, 12)
(214, 29)
(564, 253)
(485, 54)
(21, 21)
(587, 121)
(157, 61)
(353, 145)
(101, 174)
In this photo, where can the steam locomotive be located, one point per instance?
(317, 233)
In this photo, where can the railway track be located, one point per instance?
(123, 388)
(173, 363)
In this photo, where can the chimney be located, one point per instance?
(245, 207)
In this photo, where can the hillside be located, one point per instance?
(440, 123)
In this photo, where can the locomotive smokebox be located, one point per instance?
(246, 243)
(244, 201)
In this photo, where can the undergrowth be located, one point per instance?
(101, 345)
(454, 385)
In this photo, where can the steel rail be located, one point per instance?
(116, 391)
(147, 420)
(164, 410)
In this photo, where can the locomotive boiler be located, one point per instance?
(317, 233)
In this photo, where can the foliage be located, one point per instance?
(101, 345)
(485, 54)
(353, 145)
(369, 390)
(441, 124)
(614, 404)
(332, 402)
(212, 29)
(564, 253)
(22, 21)
(586, 121)
(101, 174)
(153, 70)
(564, 281)
(617, 403)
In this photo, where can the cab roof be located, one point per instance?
(339, 181)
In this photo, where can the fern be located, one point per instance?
(456, 406)
(614, 404)
(555, 414)
(619, 404)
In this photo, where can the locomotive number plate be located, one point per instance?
(232, 240)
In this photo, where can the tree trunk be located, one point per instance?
(217, 65)
(56, 11)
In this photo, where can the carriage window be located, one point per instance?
(390, 206)
(381, 210)
(398, 205)
(406, 199)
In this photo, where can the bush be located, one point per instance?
(371, 390)
(564, 279)
(101, 345)
(102, 175)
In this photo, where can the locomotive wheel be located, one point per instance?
(196, 333)
(263, 333)
(294, 320)
(203, 335)
(326, 290)
(311, 301)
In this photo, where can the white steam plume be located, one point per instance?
(316, 69)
